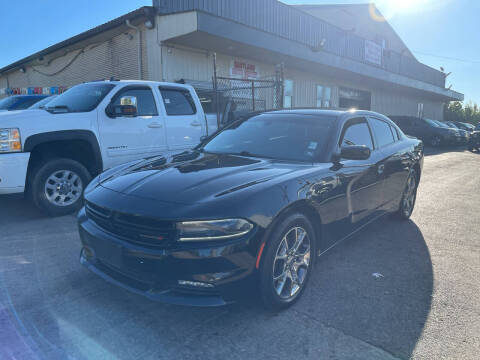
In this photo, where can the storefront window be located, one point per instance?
(354, 99)
(324, 96)
(288, 94)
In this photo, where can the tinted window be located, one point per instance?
(357, 134)
(431, 122)
(19, 102)
(382, 132)
(178, 102)
(278, 136)
(145, 100)
(80, 98)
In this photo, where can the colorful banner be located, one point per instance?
(53, 90)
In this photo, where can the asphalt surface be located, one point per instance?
(425, 305)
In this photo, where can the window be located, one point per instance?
(145, 100)
(353, 98)
(382, 131)
(420, 111)
(80, 98)
(178, 101)
(288, 94)
(357, 133)
(324, 96)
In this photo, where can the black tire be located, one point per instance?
(44, 199)
(270, 298)
(435, 141)
(409, 197)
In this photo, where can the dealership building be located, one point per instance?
(329, 56)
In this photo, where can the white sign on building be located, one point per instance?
(373, 52)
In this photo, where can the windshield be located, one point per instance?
(441, 124)
(278, 136)
(41, 104)
(431, 122)
(18, 102)
(80, 98)
(452, 125)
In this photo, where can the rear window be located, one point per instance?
(178, 101)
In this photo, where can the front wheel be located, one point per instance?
(287, 262)
(57, 186)
(409, 197)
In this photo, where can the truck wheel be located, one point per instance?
(57, 186)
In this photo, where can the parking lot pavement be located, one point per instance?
(424, 306)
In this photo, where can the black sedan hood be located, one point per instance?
(196, 177)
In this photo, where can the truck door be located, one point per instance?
(184, 118)
(129, 138)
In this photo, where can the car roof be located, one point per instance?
(139, 82)
(315, 111)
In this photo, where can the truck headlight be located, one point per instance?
(210, 230)
(10, 140)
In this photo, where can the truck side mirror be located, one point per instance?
(127, 107)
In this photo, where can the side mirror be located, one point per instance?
(355, 152)
(127, 107)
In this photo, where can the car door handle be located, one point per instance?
(381, 169)
(195, 123)
(155, 125)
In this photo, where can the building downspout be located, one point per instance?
(139, 50)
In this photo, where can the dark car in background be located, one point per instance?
(19, 102)
(464, 134)
(248, 210)
(431, 132)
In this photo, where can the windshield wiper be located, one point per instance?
(62, 108)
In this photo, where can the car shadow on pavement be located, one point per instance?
(377, 286)
(59, 309)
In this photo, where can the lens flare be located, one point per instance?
(391, 8)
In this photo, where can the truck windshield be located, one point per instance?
(80, 98)
(291, 137)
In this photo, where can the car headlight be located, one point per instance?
(208, 230)
(10, 140)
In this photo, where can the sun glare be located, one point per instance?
(391, 8)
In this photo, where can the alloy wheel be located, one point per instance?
(409, 195)
(291, 263)
(63, 188)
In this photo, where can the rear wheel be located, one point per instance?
(287, 262)
(409, 197)
(57, 186)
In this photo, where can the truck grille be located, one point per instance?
(143, 231)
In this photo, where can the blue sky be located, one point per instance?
(437, 31)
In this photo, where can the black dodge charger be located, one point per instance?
(246, 213)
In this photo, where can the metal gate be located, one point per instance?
(236, 97)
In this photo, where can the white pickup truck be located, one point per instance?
(52, 154)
